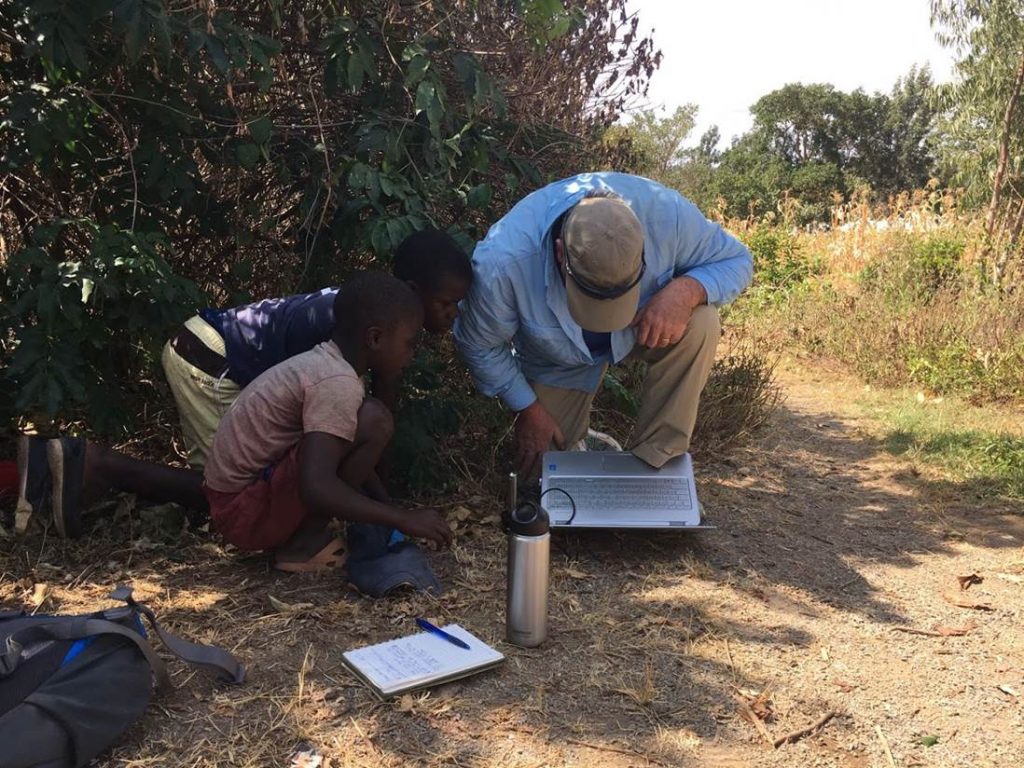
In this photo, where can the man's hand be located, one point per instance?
(535, 431)
(663, 320)
(426, 524)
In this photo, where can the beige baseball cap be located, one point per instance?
(603, 248)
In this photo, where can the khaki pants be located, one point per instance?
(201, 399)
(668, 403)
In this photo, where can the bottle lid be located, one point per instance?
(529, 519)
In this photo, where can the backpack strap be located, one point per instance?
(76, 628)
(211, 657)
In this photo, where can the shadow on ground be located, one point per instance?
(638, 665)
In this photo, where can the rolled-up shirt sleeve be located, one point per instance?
(711, 256)
(483, 333)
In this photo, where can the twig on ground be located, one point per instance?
(728, 653)
(617, 750)
(848, 582)
(749, 714)
(961, 602)
(789, 738)
(885, 746)
(373, 747)
(938, 632)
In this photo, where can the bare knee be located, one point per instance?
(375, 422)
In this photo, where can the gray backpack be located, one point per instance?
(70, 685)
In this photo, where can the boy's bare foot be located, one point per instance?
(311, 548)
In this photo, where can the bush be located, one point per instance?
(911, 317)
(937, 259)
(159, 155)
(430, 414)
(915, 267)
(739, 397)
(68, 357)
(780, 264)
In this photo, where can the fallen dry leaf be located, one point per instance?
(573, 573)
(968, 580)
(405, 704)
(955, 631)
(647, 621)
(459, 513)
(748, 714)
(288, 609)
(844, 686)
(39, 594)
(759, 702)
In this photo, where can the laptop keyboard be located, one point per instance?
(632, 498)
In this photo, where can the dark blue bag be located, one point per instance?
(70, 685)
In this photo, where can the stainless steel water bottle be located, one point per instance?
(529, 550)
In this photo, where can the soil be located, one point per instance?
(664, 648)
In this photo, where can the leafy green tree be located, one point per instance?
(802, 123)
(750, 178)
(706, 151)
(813, 143)
(659, 141)
(695, 177)
(985, 119)
(159, 154)
(886, 140)
(911, 118)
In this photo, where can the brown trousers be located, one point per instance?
(668, 402)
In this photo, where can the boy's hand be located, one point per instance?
(427, 524)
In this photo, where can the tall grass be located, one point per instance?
(902, 300)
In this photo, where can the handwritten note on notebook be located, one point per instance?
(419, 661)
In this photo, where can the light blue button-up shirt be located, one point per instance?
(514, 326)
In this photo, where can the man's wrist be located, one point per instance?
(528, 410)
(519, 396)
(696, 294)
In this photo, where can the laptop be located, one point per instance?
(612, 489)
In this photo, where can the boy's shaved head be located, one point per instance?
(428, 257)
(374, 299)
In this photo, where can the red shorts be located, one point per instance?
(263, 515)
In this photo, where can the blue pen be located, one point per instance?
(424, 624)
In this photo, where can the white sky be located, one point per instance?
(723, 55)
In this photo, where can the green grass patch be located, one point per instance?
(947, 436)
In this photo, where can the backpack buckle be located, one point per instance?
(124, 594)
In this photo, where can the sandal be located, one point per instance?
(330, 558)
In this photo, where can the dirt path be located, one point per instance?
(825, 547)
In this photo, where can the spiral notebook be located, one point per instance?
(420, 661)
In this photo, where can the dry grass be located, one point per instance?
(901, 298)
(650, 635)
